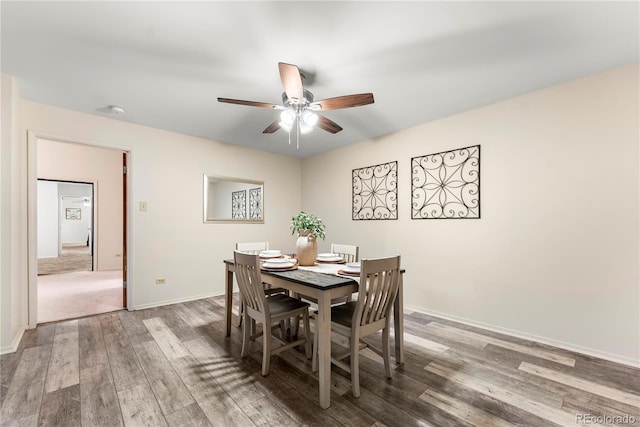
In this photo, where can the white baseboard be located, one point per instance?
(542, 340)
(14, 344)
(174, 301)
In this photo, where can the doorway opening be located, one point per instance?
(80, 254)
(65, 227)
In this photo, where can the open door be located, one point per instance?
(124, 229)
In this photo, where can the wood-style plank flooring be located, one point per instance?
(173, 366)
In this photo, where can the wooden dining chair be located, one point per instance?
(349, 252)
(255, 248)
(268, 310)
(379, 281)
(252, 247)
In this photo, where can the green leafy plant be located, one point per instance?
(304, 222)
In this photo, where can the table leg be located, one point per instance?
(228, 297)
(323, 329)
(398, 324)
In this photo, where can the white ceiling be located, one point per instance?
(167, 62)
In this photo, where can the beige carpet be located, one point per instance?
(78, 294)
(72, 258)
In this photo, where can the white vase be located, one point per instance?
(306, 248)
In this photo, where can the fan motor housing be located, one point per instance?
(307, 98)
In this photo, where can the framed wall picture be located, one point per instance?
(255, 203)
(72, 213)
(239, 204)
(374, 192)
(446, 185)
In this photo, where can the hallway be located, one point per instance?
(78, 294)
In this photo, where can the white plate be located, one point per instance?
(269, 264)
(328, 255)
(327, 259)
(270, 253)
(352, 267)
(282, 260)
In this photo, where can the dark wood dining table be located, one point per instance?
(323, 286)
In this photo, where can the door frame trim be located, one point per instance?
(32, 225)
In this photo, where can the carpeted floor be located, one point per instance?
(72, 258)
(78, 294)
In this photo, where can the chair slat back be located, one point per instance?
(252, 247)
(349, 252)
(247, 270)
(379, 279)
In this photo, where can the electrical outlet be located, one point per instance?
(161, 281)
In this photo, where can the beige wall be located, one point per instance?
(555, 255)
(13, 264)
(103, 167)
(170, 240)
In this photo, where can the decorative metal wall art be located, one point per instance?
(239, 204)
(446, 185)
(255, 203)
(375, 192)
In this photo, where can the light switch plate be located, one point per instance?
(143, 206)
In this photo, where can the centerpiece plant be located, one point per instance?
(309, 228)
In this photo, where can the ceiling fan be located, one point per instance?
(299, 110)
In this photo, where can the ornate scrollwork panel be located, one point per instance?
(375, 192)
(446, 185)
(255, 203)
(239, 204)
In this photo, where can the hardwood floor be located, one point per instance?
(173, 366)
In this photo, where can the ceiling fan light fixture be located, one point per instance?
(288, 117)
(304, 127)
(285, 126)
(310, 118)
(298, 106)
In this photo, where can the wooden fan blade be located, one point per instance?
(328, 125)
(291, 80)
(346, 101)
(249, 103)
(272, 127)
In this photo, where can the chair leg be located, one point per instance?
(355, 367)
(385, 351)
(295, 326)
(266, 348)
(283, 330)
(240, 311)
(246, 336)
(307, 337)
